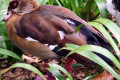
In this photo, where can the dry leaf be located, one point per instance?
(104, 76)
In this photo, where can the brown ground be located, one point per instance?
(78, 73)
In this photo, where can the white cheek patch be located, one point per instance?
(31, 39)
(69, 21)
(61, 34)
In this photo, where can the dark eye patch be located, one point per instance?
(13, 4)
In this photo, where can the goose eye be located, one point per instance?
(14, 4)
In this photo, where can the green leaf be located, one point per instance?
(98, 49)
(3, 8)
(99, 61)
(26, 66)
(39, 1)
(43, 2)
(94, 58)
(57, 67)
(77, 64)
(111, 26)
(77, 29)
(102, 7)
(87, 78)
(56, 73)
(89, 9)
(58, 3)
(71, 46)
(9, 53)
(106, 34)
(2, 27)
(73, 5)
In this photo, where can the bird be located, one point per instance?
(113, 7)
(41, 30)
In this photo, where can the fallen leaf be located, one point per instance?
(104, 76)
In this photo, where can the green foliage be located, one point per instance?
(9, 53)
(54, 68)
(102, 8)
(2, 27)
(3, 8)
(87, 50)
(115, 30)
(26, 66)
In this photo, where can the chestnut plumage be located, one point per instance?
(42, 30)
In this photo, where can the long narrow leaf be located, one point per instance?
(102, 7)
(26, 66)
(55, 66)
(96, 59)
(9, 53)
(58, 3)
(39, 1)
(56, 73)
(43, 2)
(100, 50)
(72, 2)
(99, 61)
(87, 78)
(111, 26)
(107, 35)
(3, 8)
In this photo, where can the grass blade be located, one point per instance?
(56, 73)
(111, 26)
(94, 58)
(106, 34)
(26, 66)
(44, 2)
(73, 4)
(102, 7)
(9, 53)
(98, 49)
(58, 3)
(55, 66)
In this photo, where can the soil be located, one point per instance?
(78, 73)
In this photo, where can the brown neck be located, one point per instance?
(31, 5)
